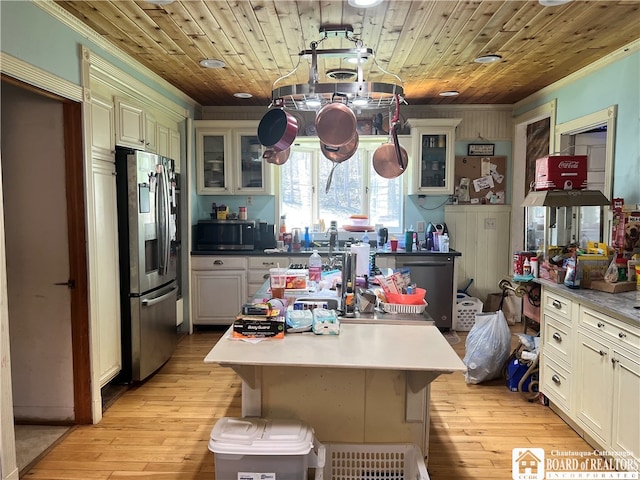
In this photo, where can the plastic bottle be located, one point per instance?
(315, 269)
(307, 238)
(365, 238)
(526, 267)
(283, 227)
(429, 236)
(444, 243)
(534, 266)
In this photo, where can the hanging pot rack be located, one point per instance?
(367, 95)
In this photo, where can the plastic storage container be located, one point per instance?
(465, 315)
(261, 448)
(372, 461)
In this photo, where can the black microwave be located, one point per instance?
(225, 235)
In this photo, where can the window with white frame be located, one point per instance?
(355, 188)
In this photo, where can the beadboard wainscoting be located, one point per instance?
(481, 233)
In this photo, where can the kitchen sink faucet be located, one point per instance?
(333, 236)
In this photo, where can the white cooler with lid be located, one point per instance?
(264, 449)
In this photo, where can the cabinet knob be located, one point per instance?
(265, 276)
(218, 262)
(622, 335)
(602, 353)
(556, 379)
(141, 140)
(557, 337)
(557, 304)
(614, 361)
(268, 264)
(600, 325)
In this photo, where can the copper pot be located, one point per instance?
(386, 163)
(342, 153)
(276, 157)
(338, 155)
(391, 159)
(277, 129)
(336, 124)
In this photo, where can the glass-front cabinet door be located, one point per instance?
(252, 173)
(229, 159)
(213, 175)
(433, 146)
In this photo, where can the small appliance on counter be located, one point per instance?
(225, 235)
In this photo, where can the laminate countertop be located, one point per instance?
(625, 305)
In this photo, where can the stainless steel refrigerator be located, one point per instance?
(147, 208)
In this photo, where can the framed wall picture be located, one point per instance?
(481, 149)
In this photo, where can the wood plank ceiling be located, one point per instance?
(430, 45)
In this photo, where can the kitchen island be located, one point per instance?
(369, 384)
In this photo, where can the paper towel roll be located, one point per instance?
(362, 259)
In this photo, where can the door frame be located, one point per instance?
(77, 248)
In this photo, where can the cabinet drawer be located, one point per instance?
(613, 329)
(557, 339)
(556, 304)
(218, 262)
(258, 276)
(265, 263)
(556, 382)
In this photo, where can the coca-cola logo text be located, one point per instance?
(568, 164)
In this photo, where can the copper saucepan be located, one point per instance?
(391, 159)
(276, 157)
(338, 155)
(277, 129)
(336, 124)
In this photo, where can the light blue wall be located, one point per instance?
(29, 33)
(616, 84)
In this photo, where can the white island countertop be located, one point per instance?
(371, 346)
(369, 384)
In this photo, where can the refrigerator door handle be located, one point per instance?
(160, 299)
(163, 221)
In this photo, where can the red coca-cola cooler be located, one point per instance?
(561, 172)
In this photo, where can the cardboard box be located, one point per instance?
(590, 268)
(561, 172)
(552, 273)
(617, 287)
(265, 327)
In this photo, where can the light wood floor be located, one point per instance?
(160, 429)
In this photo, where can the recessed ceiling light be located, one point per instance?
(450, 93)
(364, 3)
(242, 95)
(491, 58)
(552, 3)
(211, 63)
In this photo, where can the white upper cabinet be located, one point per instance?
(130, 124)
(102, 138)
(434, 155)
(229, 159)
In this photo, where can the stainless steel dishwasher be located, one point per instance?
(434, 273)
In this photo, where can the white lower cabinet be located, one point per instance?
(590, 371)
(258, 271)
(625, 433)
(593, 379)
(608, 374)
(218, 288)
